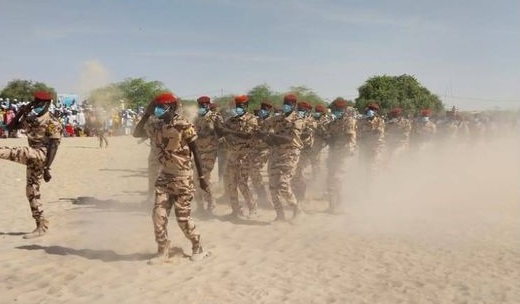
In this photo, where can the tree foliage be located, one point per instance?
(133, 92)
(23, 90)
(397, 91)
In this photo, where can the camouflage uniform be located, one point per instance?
(207, 144)
(151, 127)
(174, 186)
(283, 161)
(319, 144)
(397, 136)
(238, 159)
(40, 130)
(341, 136)
(371, 141)
(259, 158)
(423, 133)
(299, 184)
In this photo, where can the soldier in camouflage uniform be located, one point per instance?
(423, 130)
(175, 138)
(285, 145)
(299, 184)
(371, 138)
(43, 135)
(322, 120)
(260, 153)
(397, 133)
(238, 131)
(207, 142)
(340, 135)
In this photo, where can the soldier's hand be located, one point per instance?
(47, 175)
(203, 184)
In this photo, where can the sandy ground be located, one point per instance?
(442, 230)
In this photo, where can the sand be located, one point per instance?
(443, 230)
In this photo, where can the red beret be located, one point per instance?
(290, 98)
(319, 109)
(426, 112)
(203, 100)
(396, 111)
(373, 106)
(165, 98)
(42, 96)
(240, 99)
(303, 105)
(266, 105)
(339, 103)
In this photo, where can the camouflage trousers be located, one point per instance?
(282, 167)
(314, 157)
(34, 160)
(177, 192)
(208, 159)
(372, 158)
(236, 178)
(299, 184)
(102, 135)
(258, 161)
(336, 169)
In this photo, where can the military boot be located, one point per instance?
(163, 253)
(42, 225)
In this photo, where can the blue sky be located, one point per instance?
(466, 51)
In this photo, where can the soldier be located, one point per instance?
(285, 145)
(175, 138)
(43, 135)
(340, 135)
(397, 135)
(207, 142)
(261, 152)
(238, 131)
(423, 130)
(371, 138)
(299, 184)
(322, 120)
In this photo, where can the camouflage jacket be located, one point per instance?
(371, 132)
(397, 131)
(341, 134)
(172, 139)
(205, 126)
(247, 124)
(291, 126)
(40, 130)
(308, 133)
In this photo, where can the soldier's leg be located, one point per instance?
(34, 177)
(208, 163)
(243, 185)
(231, 179)
(184, 188)
(298, 181)
(258, 163)
(287, 173)
(15, 154)
(274, 189)
(160, 214)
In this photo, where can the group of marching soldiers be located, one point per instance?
(290, 139)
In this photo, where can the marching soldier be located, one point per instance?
(371, 138)
(207, 142)
(43, 135)
(340, 135)
(175, 138)
(397, 131)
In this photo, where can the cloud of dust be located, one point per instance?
(94, 75)
(464, 188)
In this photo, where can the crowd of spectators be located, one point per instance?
(77, 120)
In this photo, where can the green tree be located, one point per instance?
(133, 91)
(306, 94)
(397, 91)
(23, 90)
(261, 93)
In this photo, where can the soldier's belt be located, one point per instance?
(177, 172)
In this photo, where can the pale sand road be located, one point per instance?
(457, 246)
